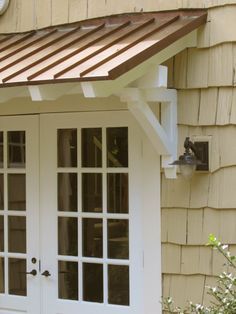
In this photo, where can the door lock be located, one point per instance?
(33, 260)
(46, 273)
(33, 272)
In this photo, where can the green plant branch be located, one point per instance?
(223, 295)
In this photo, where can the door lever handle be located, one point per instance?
(33, 272)
(46, 273)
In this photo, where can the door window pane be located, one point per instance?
(93, 282)
(2, 275)
(92, 147)
(67, 192)
(16, 192)
(117, 193)
(118, 284)
(1, 149)
(92, 237)
(92, 192)
(67, 147)
(16, 149)
(68, 280)
(1, 233)
(17, 234)
(117, 147)
(67, 236)
(17, 276)
(1, 192)
(118, 238)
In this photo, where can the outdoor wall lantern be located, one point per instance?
(3, 6)
(194, 158)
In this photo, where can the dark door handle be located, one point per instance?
(33, 272)
(46, 273)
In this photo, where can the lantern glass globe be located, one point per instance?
(3, 6)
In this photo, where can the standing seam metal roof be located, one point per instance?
(100, 49)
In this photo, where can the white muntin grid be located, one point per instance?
(104, 215)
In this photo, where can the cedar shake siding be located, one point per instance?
(191, 210)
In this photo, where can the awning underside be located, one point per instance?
(101, 49)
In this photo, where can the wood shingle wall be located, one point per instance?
(191, 210)
(24, 15)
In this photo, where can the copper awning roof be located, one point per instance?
(100, 49)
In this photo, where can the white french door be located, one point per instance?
(70, 210)
(91, 253)
(19, 215)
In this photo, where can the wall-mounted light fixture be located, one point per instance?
(194, 158)
(3, 6)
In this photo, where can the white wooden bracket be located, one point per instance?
(163, 136)
(52, 92)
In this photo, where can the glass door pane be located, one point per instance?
(15, 212)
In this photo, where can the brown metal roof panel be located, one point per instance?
(30, 66)
(8, 41)
(45, 60)
(121, 51)
(92, 48)
(47, 44)
(129, 59)
(5, 38)
(31, 43)
(118, 43)
(91, 51)
(94, 41)
(38, 56)
(146, 40)
(17, 41)
(165, 42)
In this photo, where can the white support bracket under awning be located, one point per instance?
(162, 135)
